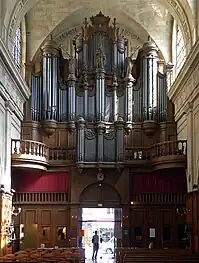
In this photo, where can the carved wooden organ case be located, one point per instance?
(99, 92)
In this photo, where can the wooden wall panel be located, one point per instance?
(160, 217)
(46, 217)
(30, 216)
(52, 224)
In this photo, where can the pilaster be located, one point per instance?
(6, 177)
(190, 148)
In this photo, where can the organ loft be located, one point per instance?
(99, 131)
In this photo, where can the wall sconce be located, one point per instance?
(15, 211)
(182, 211)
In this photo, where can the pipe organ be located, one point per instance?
(100, 92)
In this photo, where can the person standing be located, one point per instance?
(95, 241)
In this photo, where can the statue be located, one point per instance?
(100, 57)
(130, 68)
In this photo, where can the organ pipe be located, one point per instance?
(85, 84)
(149, 55)
(100, 79)
(36, 95)
(71, 91)
(115, 108)
(50, 73)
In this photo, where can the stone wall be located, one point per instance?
(13, 93)
(185, 95)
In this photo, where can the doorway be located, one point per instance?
(107, 223)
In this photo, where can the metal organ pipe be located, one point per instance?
(50, 68)
(80, 139)
(71, 91)
(149, 56)
(100, 90)
(115, 108)
(85, 95)
(36, 87)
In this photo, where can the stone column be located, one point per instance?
(5, 219)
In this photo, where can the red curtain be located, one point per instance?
(167, 181)
(40, 181)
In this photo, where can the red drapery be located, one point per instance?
(40, 181)
(167, 181)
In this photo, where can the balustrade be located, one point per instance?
(29, 147)
(37, 151)
(58, 154)
(170, 148)
(157, 198)
(30, 198)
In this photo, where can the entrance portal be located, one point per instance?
(107, 223)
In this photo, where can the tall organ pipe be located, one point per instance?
(50, 68)
(36, 89)
(71, 91)
(149, 56)
(100, 90)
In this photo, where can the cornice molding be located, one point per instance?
(185, 73)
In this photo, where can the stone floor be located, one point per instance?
(100, 260)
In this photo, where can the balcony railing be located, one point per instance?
(38, 198)
(24, 151)
(157, 198)
(61, 155)
(170, 148)
(27, 152)
(32, 154)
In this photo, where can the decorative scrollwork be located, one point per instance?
(90, 134)
(109, 135)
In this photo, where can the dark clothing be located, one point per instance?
(95, 241)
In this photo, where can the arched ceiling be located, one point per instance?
(141, 17)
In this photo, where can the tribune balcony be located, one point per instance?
(170, 154)
(37, 155)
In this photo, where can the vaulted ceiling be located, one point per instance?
(140, 17)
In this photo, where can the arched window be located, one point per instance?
(17, 48)
(178, 48)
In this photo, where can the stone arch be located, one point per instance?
(183, 15)
(100, 194)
